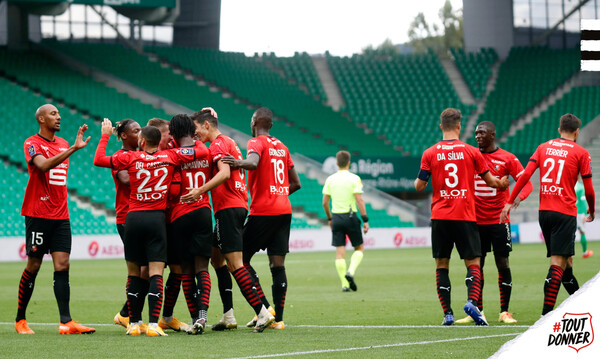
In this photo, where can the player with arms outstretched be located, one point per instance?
(47, 225)
(451, 165)
(560, 161)
(272, 178)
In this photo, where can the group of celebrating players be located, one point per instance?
(471, 205)
(163, 174)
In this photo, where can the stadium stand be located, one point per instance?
(399, 96)
(301, 69)
(475, 68)
(527, 76)
(253, 80)
(583, 102)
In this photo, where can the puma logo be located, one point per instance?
(444, 288)
(469, 278)
(506, 284)
(548, 280)
(157, 295)
(133, 294)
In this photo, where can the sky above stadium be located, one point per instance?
(343, 27)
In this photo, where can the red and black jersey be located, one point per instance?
(232, 193)
(46, 192)
(122, 198)
(560, 162)
(190, 175)
(150, 174)
(490, 201)
(269, 183)
(452, 165)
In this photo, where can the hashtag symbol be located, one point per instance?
(556, 327)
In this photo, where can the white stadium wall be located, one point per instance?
(306, 240)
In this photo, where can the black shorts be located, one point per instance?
(268, 232)
(445, 234)
(121, 230)
(496, 235)
(44, 235)
(146, 237)
(559, 233)
(343, 224)
(229, 225)
(190, 235)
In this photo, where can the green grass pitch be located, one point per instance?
(394, 313)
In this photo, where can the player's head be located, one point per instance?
(128, 131)
(343, 159)
(149, 138)
(450, 119)
(485, 134)
(163, 126)
(569, 124)
(205, 122)
(262, 121)
(181, 126)
(48, 117)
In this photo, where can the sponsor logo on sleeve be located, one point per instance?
(187, 151)
(31, 150)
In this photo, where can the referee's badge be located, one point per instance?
(31, 150)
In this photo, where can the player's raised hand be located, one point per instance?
(505, 212)
(79, 142)
(107, 127)
(212, 111)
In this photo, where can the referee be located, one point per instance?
(345, 191)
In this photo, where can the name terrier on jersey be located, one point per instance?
(452, 156)
(557, 152)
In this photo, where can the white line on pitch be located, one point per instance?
(403, 326)
(375, 346)
(331, 326)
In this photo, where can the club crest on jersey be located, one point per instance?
(187, 151)
(31, 150)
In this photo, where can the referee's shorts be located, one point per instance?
(346, 224)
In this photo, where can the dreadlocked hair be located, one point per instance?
(181, 125)
(122, 127)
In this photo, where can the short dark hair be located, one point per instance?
(203, 116)
(152, 135)
(343, 158)
(122, 127)
(181, 125)
(450, 119)
(489, 125)
(264, 117)
(569, 123)
(157, 122)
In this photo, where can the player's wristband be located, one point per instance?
(329, 219)
(365, 218)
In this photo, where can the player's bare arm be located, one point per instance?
(495, 182)
(223, 175)
(420, 185)
(326, 208)
(250, 163)
(123, 177)
(294, 180)
(360, 204)
(46, 164)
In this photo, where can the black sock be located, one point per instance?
(155, 298)
(125, 310)
(505, 287)
(257, 286)
(204, 285)
(225, 287)
(569, 281)
(279, 289)
(442, 281)
(25, 291)
(62, 292)
(136, 295)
